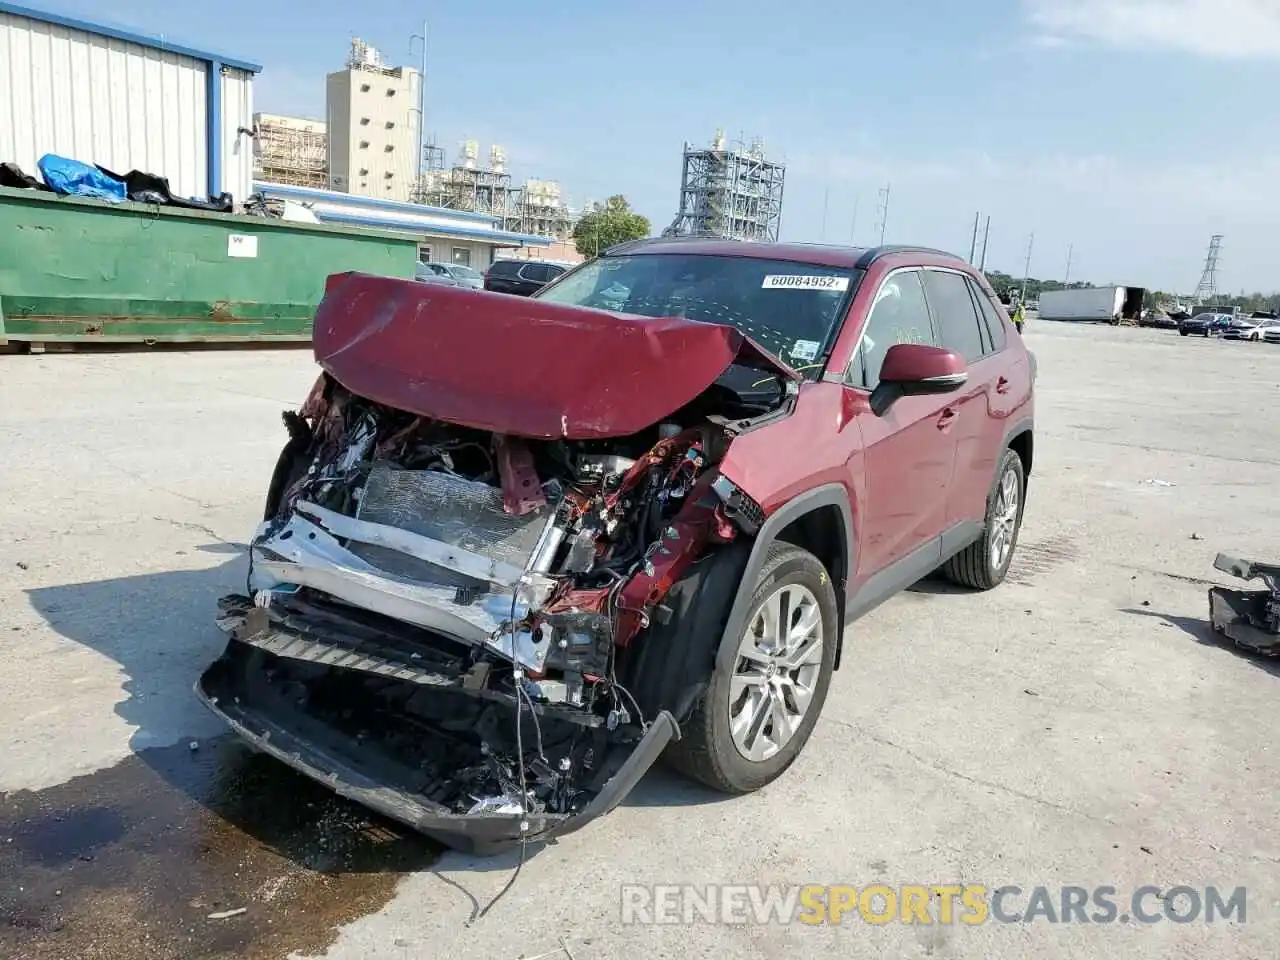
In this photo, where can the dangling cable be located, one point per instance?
(517, 675)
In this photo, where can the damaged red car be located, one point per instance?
(515, 550)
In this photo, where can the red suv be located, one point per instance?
(513, 552)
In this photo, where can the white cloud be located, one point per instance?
(1216, 28)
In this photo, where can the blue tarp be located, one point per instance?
(79, 179)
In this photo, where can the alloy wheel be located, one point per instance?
(1004, 522)
(778, 666)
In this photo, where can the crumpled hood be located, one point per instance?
(518, 366)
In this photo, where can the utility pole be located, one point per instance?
(826, 196)
(986, 234)
(973, 244)
(1026, 273)
(422, 98)
(884, 210)
(1070, 250)
(853, 227)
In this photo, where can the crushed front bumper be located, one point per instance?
(249, 688)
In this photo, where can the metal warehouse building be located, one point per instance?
(126, 101)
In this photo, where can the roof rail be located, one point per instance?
(629, 245)
(875, 253)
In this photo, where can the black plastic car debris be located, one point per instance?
(1249, 618)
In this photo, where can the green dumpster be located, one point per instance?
(76, 270)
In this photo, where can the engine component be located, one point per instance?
(600, 467)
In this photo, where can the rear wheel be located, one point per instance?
(769, 684)
(985, 563)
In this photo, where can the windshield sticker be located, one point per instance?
(804, 350)
(777, 281)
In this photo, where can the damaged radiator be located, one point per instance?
(452, 510)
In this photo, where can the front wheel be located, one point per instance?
(769, 683)
(985, 563)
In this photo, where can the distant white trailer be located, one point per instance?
(1092, 304)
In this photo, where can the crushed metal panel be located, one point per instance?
(303, 553)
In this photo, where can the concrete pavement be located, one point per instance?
(1078, 725)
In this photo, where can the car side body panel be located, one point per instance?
(835, 426)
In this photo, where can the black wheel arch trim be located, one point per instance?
(827, 495)
(1024, 425)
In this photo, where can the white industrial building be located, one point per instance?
(125, 101)
(448, 236)
(374, 116)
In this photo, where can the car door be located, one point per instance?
(909, 450)
(962, 326)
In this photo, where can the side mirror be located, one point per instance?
(917, 369)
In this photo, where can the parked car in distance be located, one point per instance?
(424, 275)
(1260, 328)
(462, 276)
(523, 278)
(678, 473)
(1157, 319)
(1205, 324)
(1240, 328)
(1271, 334)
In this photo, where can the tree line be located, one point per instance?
(1004, 284)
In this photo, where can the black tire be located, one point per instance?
(1185, 333)
(972, 566)
(706, 751)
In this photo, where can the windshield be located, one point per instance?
(466, 273)
(791, 309)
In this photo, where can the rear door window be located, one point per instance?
(954, 314)
(994, 324)
(536, 272)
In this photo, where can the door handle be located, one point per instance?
(1002, 385)
(947, 418)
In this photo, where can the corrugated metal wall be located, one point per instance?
(237, 147)
(105, 101)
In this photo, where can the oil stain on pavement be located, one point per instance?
(131, 861)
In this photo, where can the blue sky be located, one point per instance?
(1131, 130)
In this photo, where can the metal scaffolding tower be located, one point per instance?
(536, 207)
(290, 150)
(1207, 288)
(732, 192)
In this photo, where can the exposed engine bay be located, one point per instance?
(436, 618)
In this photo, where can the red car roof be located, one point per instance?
(816, 253)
